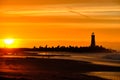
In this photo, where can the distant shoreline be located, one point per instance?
(95, 49)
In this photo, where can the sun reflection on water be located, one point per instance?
(106, 75)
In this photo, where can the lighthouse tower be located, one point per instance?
(93, 40)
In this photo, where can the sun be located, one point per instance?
(8, 41)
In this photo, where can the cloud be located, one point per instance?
(62, 15)
(47, 2)
(59, 19)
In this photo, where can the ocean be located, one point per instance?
(29, 66)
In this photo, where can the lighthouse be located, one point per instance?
(93, 40)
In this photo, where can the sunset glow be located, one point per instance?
(9, 41)
(65, 20)
(59, 39)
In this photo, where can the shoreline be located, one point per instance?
(50, 69)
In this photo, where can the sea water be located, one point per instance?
(96, 58)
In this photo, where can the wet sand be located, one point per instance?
(49, 69)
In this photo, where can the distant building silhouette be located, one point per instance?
(93, 40)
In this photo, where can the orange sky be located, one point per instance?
(31, 21)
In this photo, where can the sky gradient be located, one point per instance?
(31, 21)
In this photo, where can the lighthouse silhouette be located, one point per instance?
(93, 40)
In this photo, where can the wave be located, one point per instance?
(112, 56)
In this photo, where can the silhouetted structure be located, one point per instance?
(93, 40)
(93, 48)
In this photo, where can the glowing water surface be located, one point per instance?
(25, 68)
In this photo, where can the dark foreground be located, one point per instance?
(49, 69)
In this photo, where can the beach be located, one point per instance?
(50, 69)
